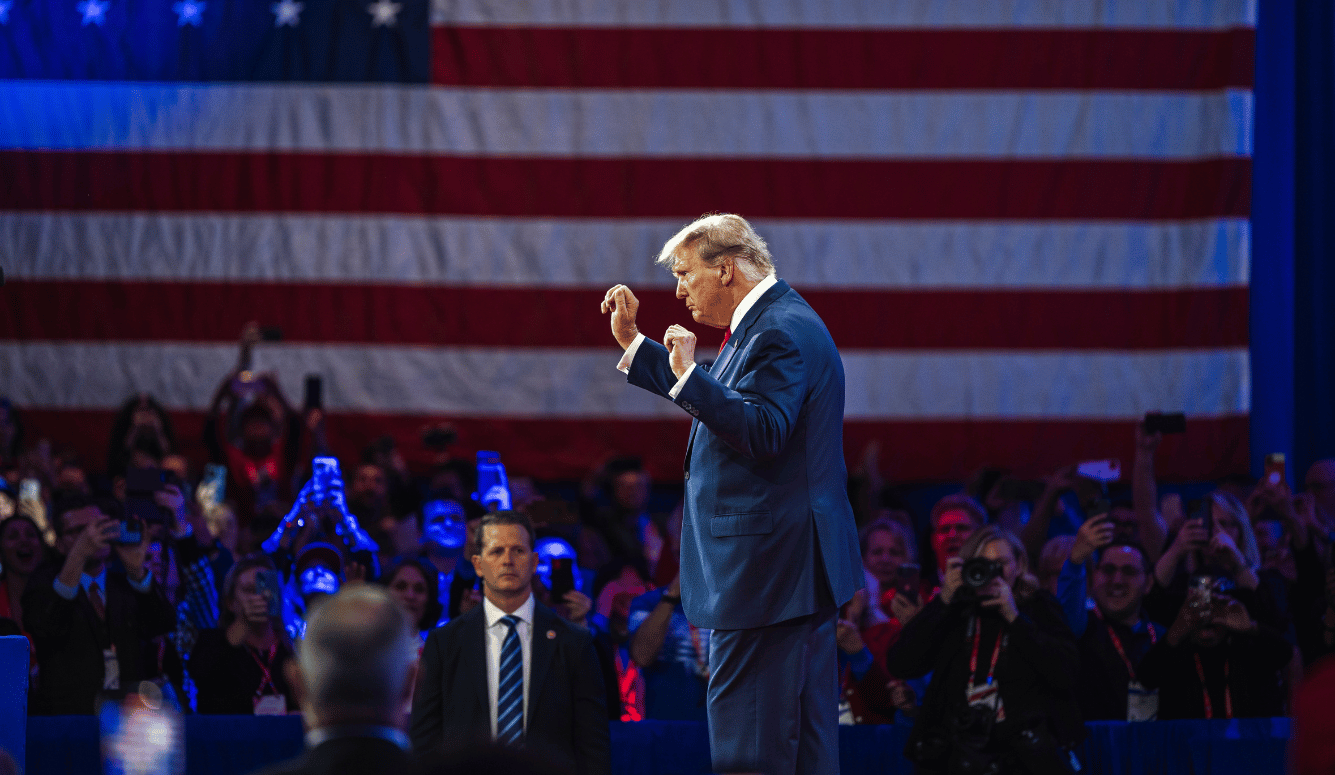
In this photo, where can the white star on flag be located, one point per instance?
(384, 13)
(189, 12)
(287, 13)
(94, 11)
(4, 10)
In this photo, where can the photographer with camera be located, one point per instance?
(1003, 666)
(1216, 662)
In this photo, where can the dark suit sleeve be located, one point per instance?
(426, 728)
(593, 748)
(651, 369)
(1039, 635)
(46, 615)
(758, 416)
(157, 617)
(915, 652)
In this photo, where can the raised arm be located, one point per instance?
(757, 417)
(1145, 494)
(1035, 531)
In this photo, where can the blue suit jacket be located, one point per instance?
(768, 533)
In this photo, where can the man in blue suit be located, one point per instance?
(769, 548)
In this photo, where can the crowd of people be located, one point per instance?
(1032, 605)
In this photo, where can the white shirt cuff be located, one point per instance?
(681, 383)
(629, 355)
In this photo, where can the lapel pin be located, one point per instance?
(551, 635)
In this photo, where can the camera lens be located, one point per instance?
(979, 571)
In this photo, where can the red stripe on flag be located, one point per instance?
(631, 188)
(676, 58)
(568, 449)
(486, 316)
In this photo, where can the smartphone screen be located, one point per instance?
(132, 531)
(563, 577)
(30, 490)
(1274, 468)
(493, 487)
(909, 581)
(1173, 422)
(268, 587)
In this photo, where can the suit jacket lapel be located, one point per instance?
(542, 651)
(474, 658)
(736, 340)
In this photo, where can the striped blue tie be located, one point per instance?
(510, 691)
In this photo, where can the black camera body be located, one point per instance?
(979, 571)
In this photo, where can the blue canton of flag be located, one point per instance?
(339, 41)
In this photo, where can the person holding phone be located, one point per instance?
(1113, 636)
(239, 668)
(867, 693)
(886, 547)
(1216, 662)
(90, 617)
(1215, 542)
(253, 430)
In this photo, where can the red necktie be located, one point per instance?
(95, 597)
(727, 334)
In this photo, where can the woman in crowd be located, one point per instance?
(1223, 548)
(238, 668)
(21, 551)
(1003, 664)
(886, 545)
(416, 585)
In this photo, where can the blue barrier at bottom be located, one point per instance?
(13, 694)
(234, 745)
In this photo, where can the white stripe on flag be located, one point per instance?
(601, 253)
(1214, 14)
(609, 123)
(471, 382)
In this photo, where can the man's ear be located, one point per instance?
(726, 273)
(477, 564)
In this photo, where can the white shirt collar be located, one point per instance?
(750, 299)
(494, 614)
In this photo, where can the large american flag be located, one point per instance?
(1025, 222)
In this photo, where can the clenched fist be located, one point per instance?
(680, 345)
(624, 306)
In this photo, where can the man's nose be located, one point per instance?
(681, 290)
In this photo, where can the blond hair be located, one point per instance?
(717, 237)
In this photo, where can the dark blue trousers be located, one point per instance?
(774, 698)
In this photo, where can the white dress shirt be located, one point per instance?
(748, 301)
(496, 632)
